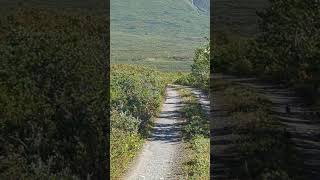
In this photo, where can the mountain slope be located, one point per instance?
(156, 32)
(202, 5)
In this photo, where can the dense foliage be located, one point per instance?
(287, 48)
(52, 95)
(137, 90)
(136, 96)
(200, 70)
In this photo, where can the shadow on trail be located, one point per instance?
(161, 154)
(167, 133)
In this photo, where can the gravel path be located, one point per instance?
(161, 154)
(203, 99)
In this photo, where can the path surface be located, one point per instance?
(162, 153)
(302, 121)
(202, 98)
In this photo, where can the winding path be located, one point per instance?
(161, 155)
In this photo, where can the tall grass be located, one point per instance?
(196, 134)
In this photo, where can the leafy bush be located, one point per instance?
(233, 57)
(200, 70)
(136, 96)
(201, 67)
(198, 162)
(291, 36)
(286, 49)
(52, 95)
(125, 141)
(137, 90)
(186, 79)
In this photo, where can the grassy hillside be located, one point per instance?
(163, 33)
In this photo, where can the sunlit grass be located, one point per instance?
(196, 135)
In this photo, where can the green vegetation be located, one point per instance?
(125, 142)
(235, 18)
(200, 70)
(263, 144)
(136, 96)
(52, 95)
(287, 49)
(162, 34)
(137, 93)
(161, 64)
(196, 132)
(151, 35)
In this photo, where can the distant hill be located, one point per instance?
(162, 33)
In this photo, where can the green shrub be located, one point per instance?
(284, 49)
(52, 95)
(136, 96)
(200, 70)
(125, 142)
(136, 90)
(197, 164)
(186, 80)
(233, 57)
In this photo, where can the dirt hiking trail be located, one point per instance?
(161, 155)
